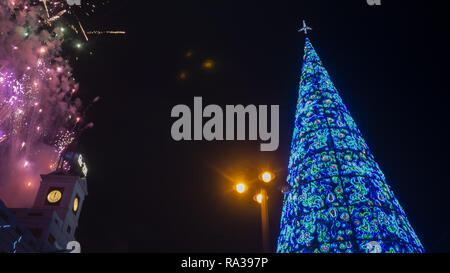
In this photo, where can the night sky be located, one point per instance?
(148, 193)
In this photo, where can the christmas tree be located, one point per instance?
(338, 198)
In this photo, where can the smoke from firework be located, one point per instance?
(38, 111)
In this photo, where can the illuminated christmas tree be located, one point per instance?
(338, 198)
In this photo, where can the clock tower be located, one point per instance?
(54, 216)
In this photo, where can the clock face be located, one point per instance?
(76, 202)
(54, 196)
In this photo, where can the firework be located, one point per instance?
(39, 114)
(104, 32)
(2, 136)
(55, 10)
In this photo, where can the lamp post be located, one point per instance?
(264, 219)
(266, 177)
(262, 198)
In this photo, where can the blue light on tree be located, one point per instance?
(338, 200)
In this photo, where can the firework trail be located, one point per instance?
(73, 14)
(39, 113)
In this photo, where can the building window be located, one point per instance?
(37, 232)
(68, 229)
(51, 239)
(76, 204)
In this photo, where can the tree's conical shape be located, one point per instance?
(338, 200)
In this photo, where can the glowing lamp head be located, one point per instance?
(259, 198)
(267, 177)
(240, 188)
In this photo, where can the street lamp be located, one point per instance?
(261, 198)
(241, 188)
(266, 177)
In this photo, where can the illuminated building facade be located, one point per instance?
(51, 223)
(338, 198)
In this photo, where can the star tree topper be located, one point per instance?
(305, 28)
